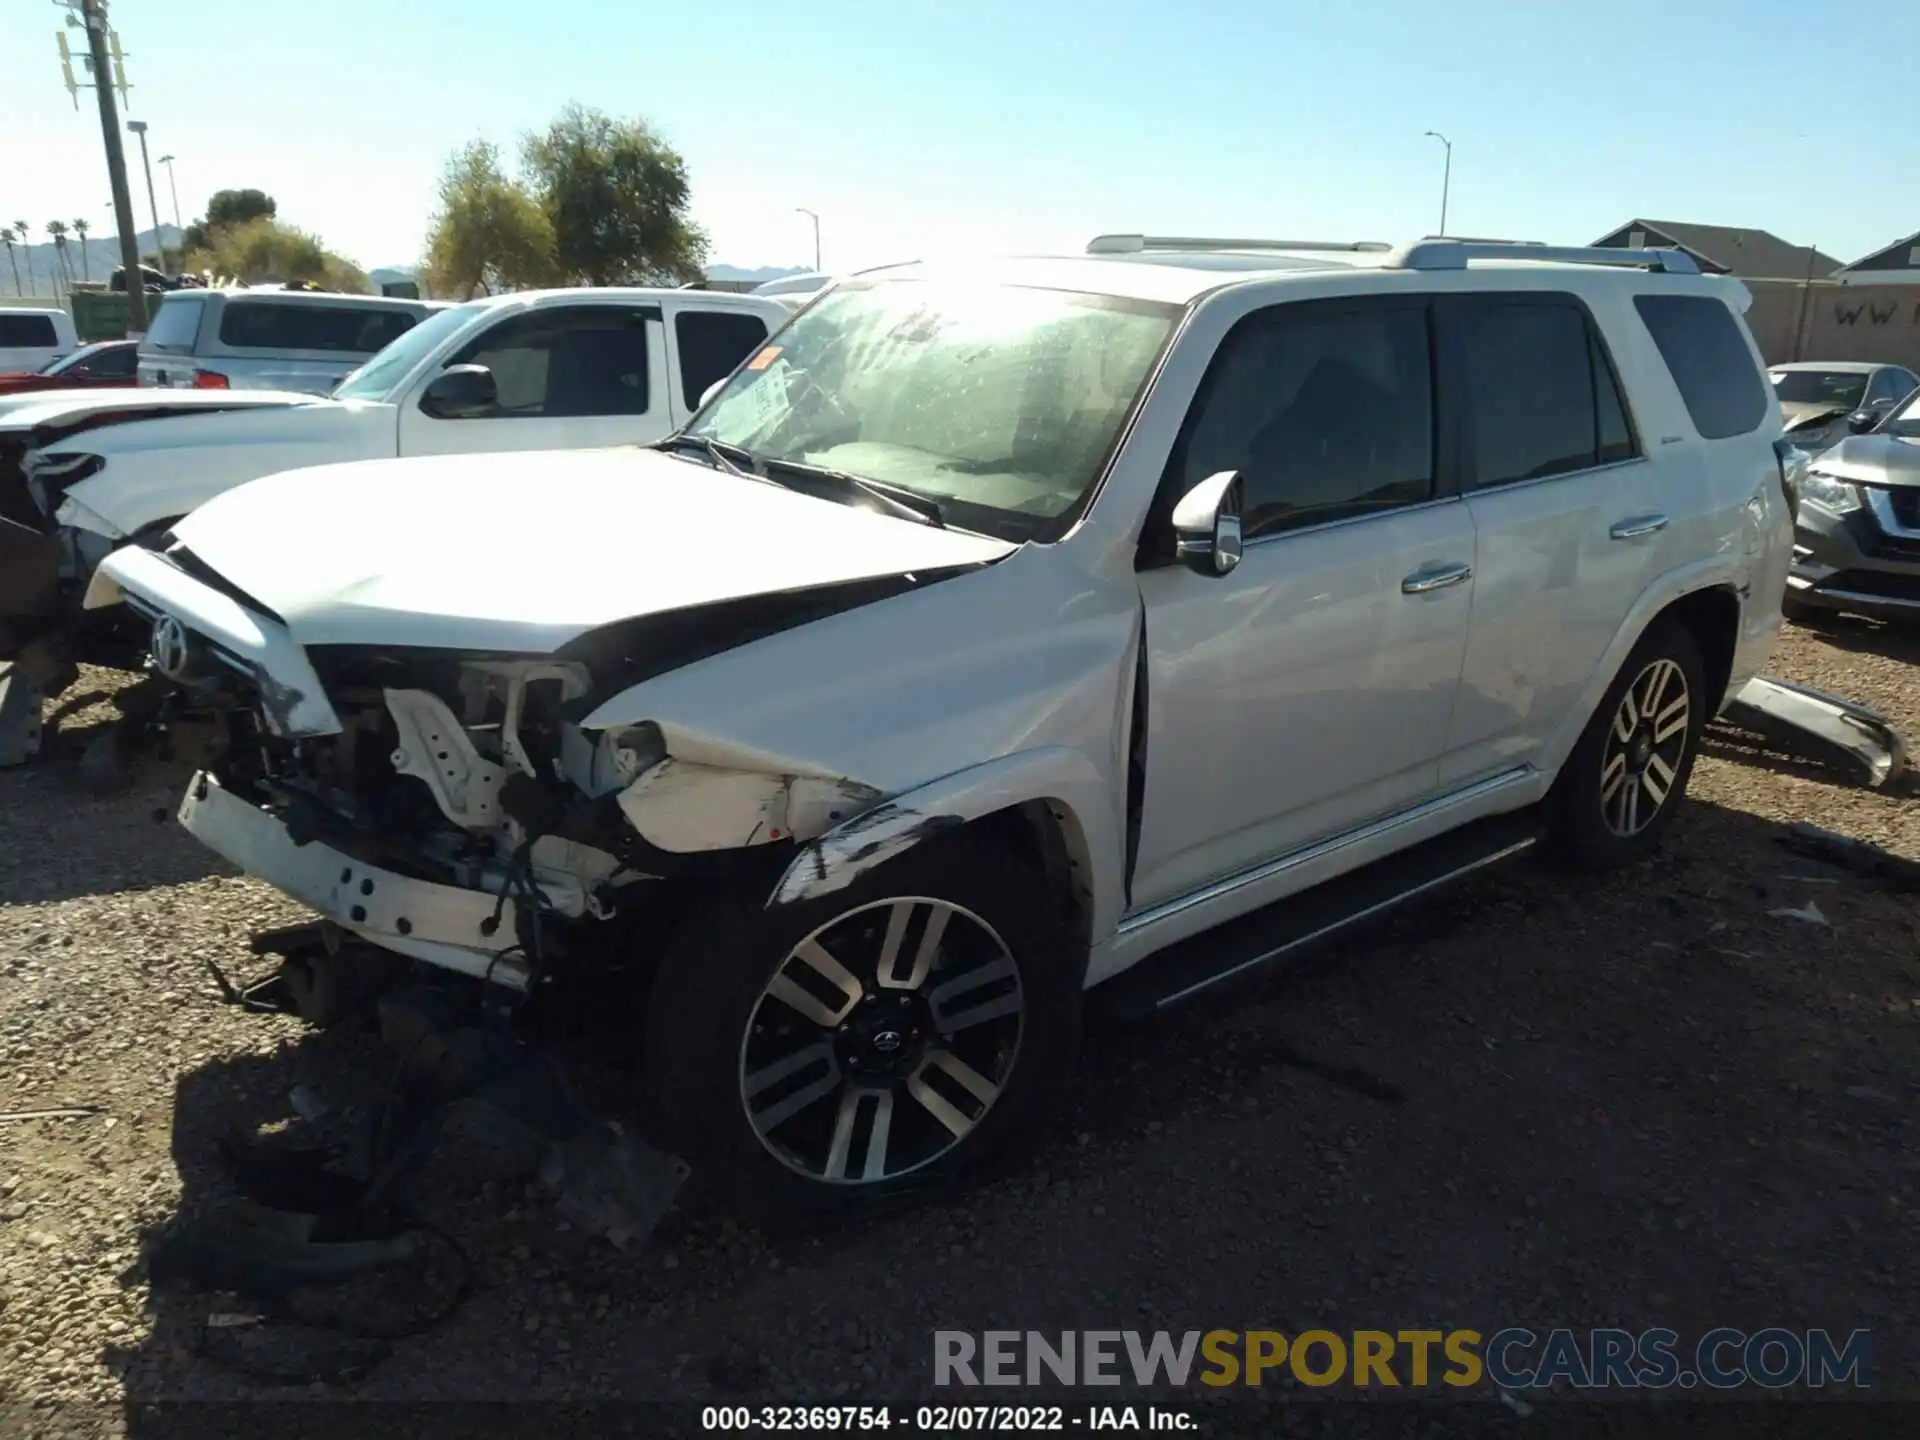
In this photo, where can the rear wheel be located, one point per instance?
(1620, 787)
(879, 1038)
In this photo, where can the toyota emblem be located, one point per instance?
(170, 648)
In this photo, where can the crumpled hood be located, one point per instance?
(523, 551)
(1791, 412)
(32, 409)
(1873, 460)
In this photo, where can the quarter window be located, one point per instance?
(1710, 361)
(1326, 414)
(570, 362)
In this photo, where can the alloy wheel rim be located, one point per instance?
(1645, 745)
(882, 1041)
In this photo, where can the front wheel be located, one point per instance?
(1620, 787)
(881, 1037)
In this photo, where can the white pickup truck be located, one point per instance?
(84, 472)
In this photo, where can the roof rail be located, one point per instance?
(1455, 255)
(1135, 244)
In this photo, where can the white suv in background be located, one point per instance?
(1125, 620)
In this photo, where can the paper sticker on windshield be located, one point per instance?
(768, 354)
(766, 398)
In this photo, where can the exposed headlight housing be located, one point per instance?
(1829, 492)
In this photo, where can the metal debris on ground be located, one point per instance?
(1823, 727)
(70, 1112)
(1810, 912)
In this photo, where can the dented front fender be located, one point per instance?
(1054, 774)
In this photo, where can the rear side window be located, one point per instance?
(1326, 414)
(176, 325)
(1543, 399)
(26, 331)
(712, 343)
(267, 325)
(1708, 356)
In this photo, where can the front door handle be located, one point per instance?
(1637, 526)
(1435, 577)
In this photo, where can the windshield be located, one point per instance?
(1905, 420)
(999, 402)
(388, 367)
(1841, 389)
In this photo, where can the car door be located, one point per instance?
(1569, 514)
(568, 377)
(707, 343)
(1308, 690)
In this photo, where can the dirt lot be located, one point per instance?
(1646, 1102)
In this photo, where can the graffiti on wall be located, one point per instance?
(1875, 312)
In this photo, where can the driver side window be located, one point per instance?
(568, 362)
(1327, 413)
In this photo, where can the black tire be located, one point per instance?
(1586, 813)
(727, 951)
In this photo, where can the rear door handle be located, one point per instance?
(1434, 577)
(1637, 526)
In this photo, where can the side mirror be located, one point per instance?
(1861, 421)
(706, 395)
(461, 392)
(1206, 525)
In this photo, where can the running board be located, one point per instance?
(1249, 945)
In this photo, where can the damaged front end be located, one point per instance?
(462, 815)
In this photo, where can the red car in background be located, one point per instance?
(107, 364)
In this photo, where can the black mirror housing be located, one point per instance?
(461, 392)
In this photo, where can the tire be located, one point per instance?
(1596, 824)
(753, 1052)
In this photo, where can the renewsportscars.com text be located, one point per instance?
(1512, 1359)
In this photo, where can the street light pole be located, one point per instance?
(174, 188)
(1446, 179)
(139, 127)
(802, 210)
(93, 16)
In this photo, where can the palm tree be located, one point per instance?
(80, 228)
(20, 229)
(57, 231)
(6, 238)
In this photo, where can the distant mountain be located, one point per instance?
(388, 274)
(100, 259)
(760, 276)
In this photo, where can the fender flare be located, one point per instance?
(1057, 775)
(1713, 573)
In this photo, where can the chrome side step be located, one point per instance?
(1288, 928)
(1823, 727)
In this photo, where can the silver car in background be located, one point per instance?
(1824, 401)
(269, 339)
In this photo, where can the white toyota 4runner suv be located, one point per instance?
(991, 636)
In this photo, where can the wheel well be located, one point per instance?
(1045, 834)
(1713, 618)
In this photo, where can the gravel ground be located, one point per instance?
(1643, 1102)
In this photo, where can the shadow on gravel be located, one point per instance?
(1645, 1100)
(61, 842)
(1862, 636)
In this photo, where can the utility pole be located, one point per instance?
(174, 189)
(1446, 179)
(139, 127)
(802, 210)
(92, 17)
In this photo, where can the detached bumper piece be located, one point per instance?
(1824, 727)
(442, 925)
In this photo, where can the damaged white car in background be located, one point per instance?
(989, 633)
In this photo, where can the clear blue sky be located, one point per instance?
(918, 128)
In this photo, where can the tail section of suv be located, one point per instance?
(990, 635)
(269, 339)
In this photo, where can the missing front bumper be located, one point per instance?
(442, 925)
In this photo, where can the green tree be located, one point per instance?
(80, 228)
(262, 249)
(57, 232)
(617, 196)
(490, 233)
(225, 210)
(21, 233)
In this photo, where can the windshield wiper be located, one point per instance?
(729, 458)
(907, 504)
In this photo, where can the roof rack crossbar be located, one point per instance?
(1135, 244)
(1455, 255)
